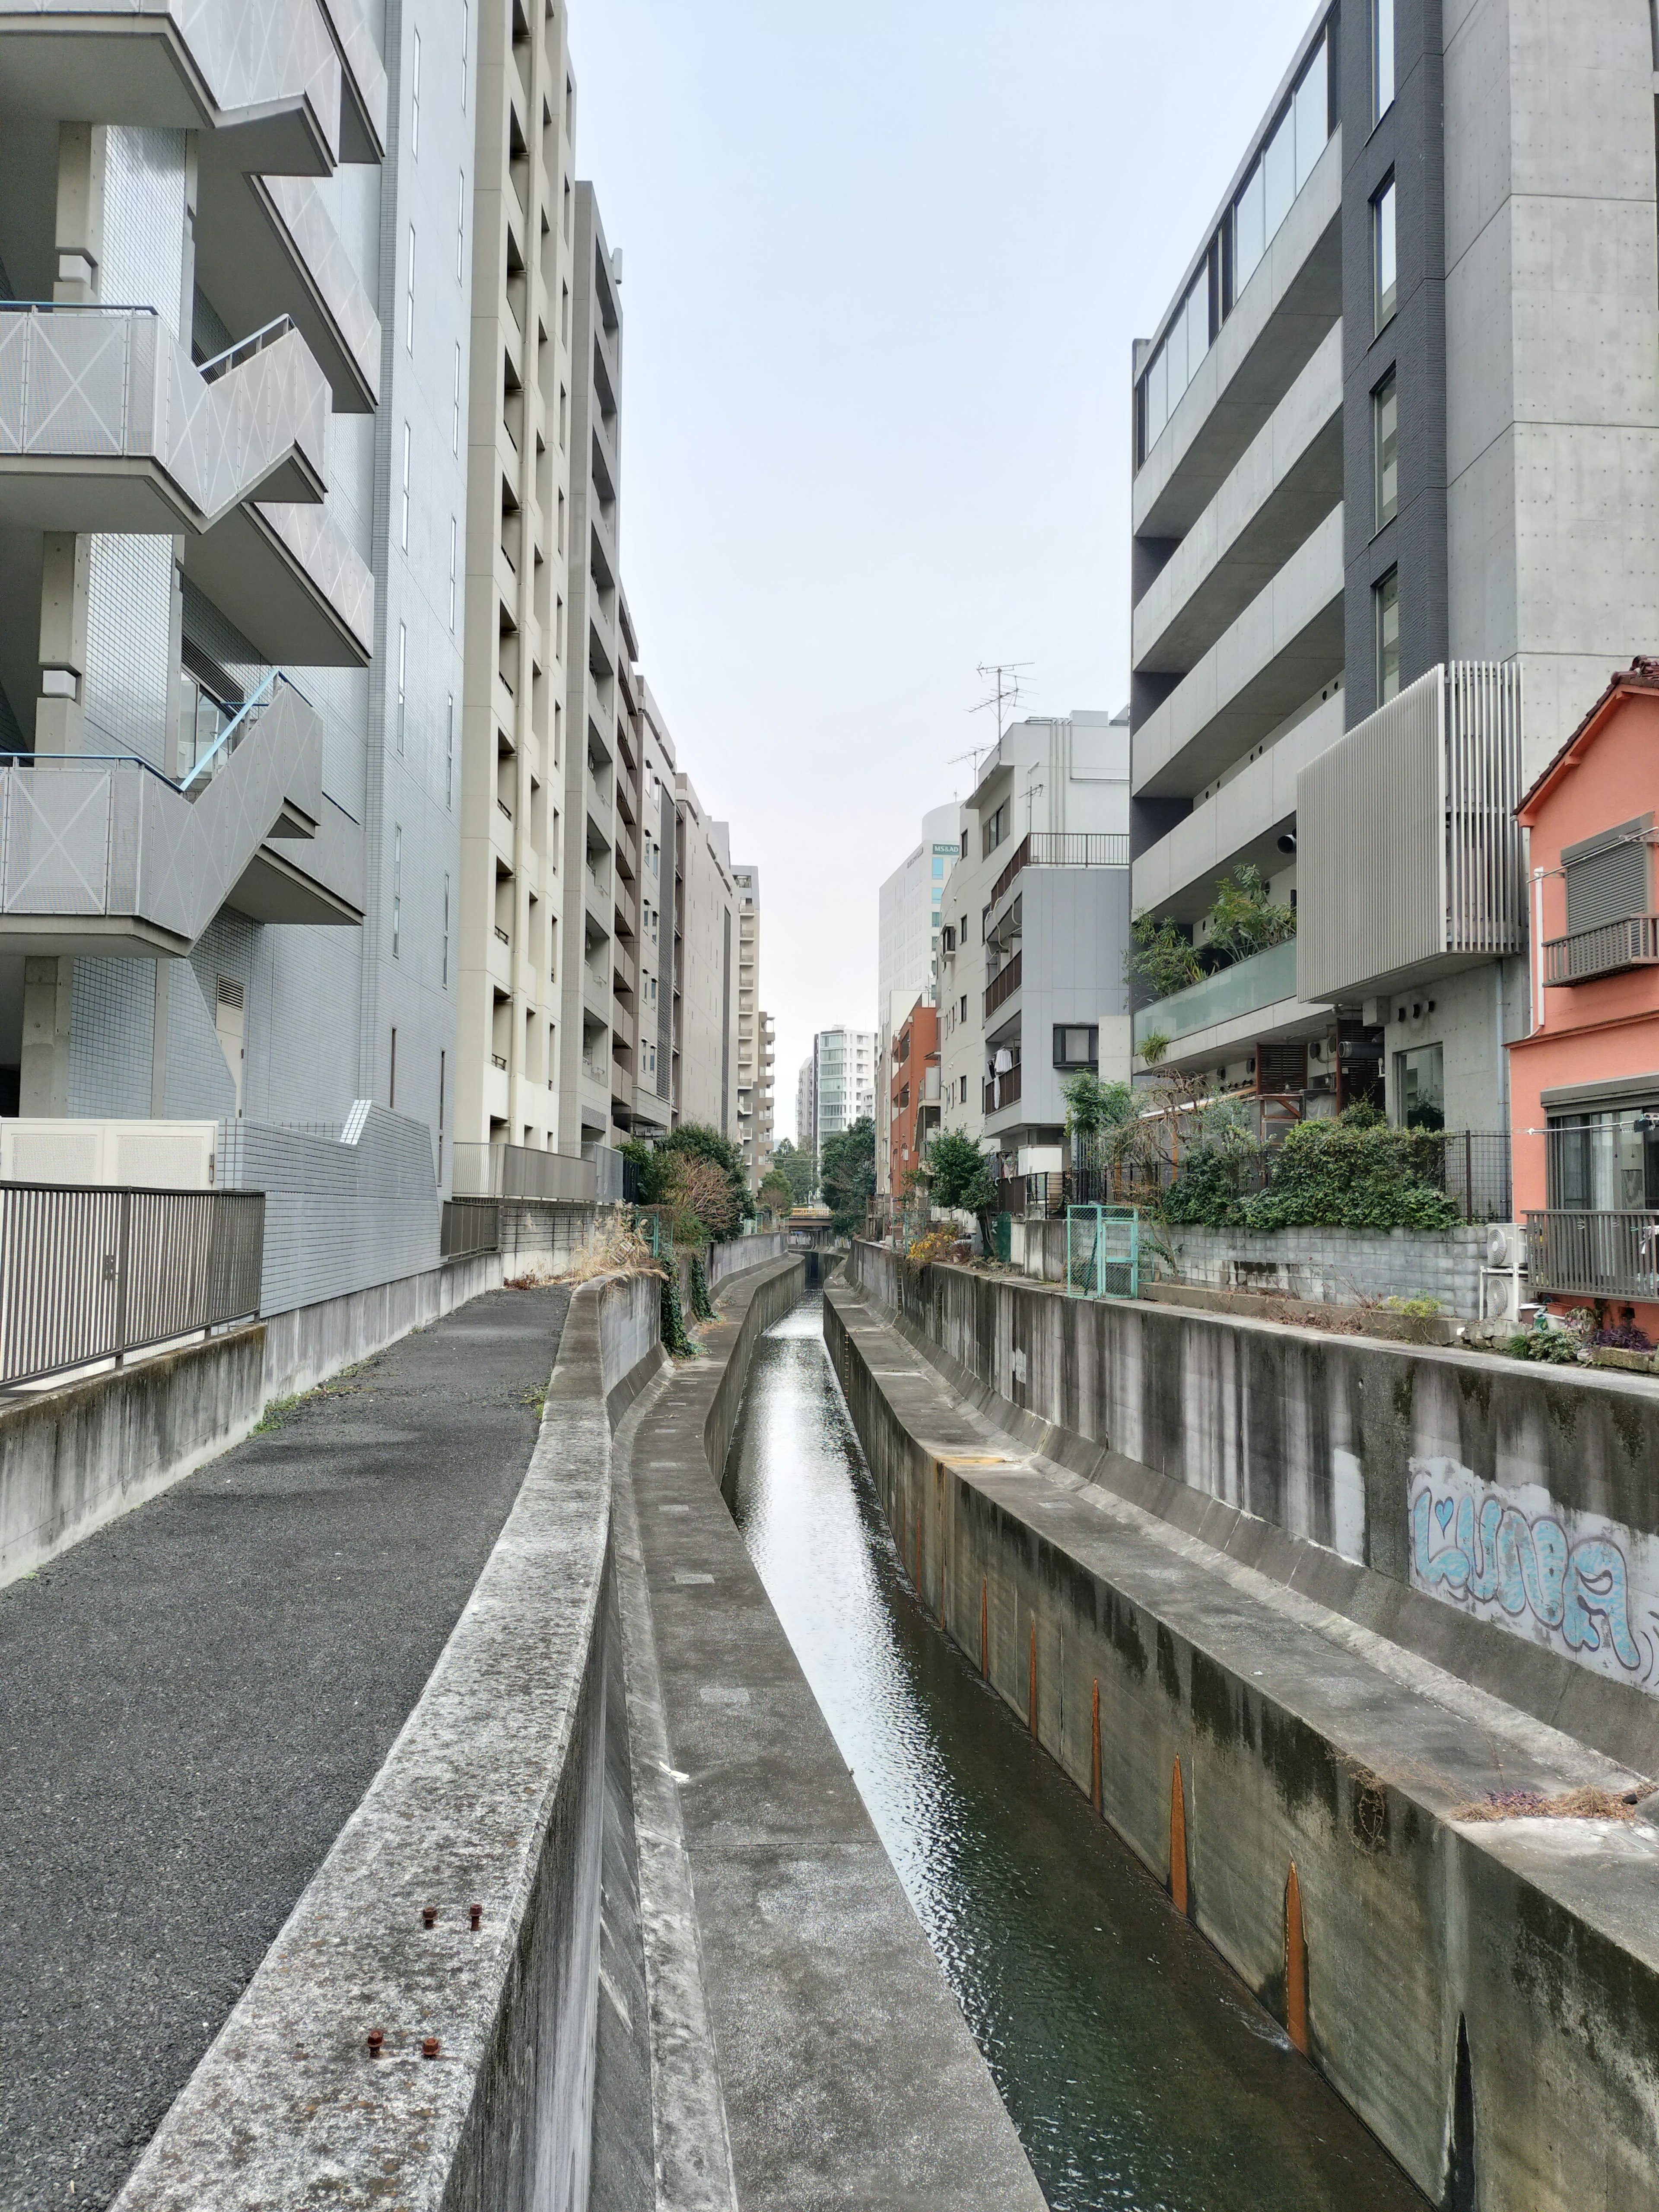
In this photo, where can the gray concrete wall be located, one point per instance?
(1338, 1266)
(307, 1344)
(74, 1458)
(739, 1252)
(1147, 1663)
(493, 1795)
(1350, 1465)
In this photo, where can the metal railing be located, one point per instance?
(245, 348)
(209, 763)
(1606, 950)
(90, 1272)
(471, 1226)
(1064, 849)
(1004, 984)
(482, 1170)
(1594, 1255)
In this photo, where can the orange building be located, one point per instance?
(912, 1103)
(1584, 1084)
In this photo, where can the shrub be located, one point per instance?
(1345, 1174)
(937, 1245)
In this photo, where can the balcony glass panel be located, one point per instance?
(1244, 988)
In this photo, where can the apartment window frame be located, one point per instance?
(466, 48)
(449, 757)
(408, 293)
(1383, 85)
(403, 680)
(1385, 610)
(445, 976)
(408, 446)
(455, 405)
(1068, 1035)
(415, 100)
(1385, 449)
(460, 229)
(1385, 253)
(396, 889)
(454, 532)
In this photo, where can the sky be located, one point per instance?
(883, 264)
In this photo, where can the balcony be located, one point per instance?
(1409, 858)
(267, 245)
(107, 857)
(1249, 988)
(107, 425)
(1609, 949)
(1592, 1255)
(1000, 1090)
(1004, 984)
(1062, 849)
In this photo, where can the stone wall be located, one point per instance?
(1337, 1266)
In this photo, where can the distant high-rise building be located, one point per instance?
(908, 930)
(844, 1081)
(806, 1138)
(754, 1031)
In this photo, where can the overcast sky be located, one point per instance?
(882, 265)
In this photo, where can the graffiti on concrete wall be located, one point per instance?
(1581, 1585)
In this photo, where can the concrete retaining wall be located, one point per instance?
(740, 1252)
(492, 1796)
(1158, 1672)
(1367, 1456)
(1338, 1266)
(308, 1344)
(74, 1458)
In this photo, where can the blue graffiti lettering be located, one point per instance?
(1450, 1565)
(1596, 1590)
(1482, 1557)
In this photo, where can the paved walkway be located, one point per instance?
(194, 1700)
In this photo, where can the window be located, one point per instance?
(402, 679)
(392, 1086)
(402, 533)
(415, 101)
(449, 753)
(1419, 1088)
(1605, 1159)
(1385, 449)
(1077, 1047)
(938, 871)
(443, 1085)
(396, 888)
(964, 998)
(445, 965)
(409, 293)
(466, 41)
(561, 536)
(1385, 598)
(451, 572)
(461, 229)
(1175, 364)
(1283, 167)
(1608, 875)
(563, 399)
(1382, 58)
(994, 831)
(455, 405)
(1383, 273)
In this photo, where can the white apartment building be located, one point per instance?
(908, 931)
(705, 967)
(754, 1034)
(843, 1067)
(1035, 926)
(807, 1107)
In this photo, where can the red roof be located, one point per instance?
(1642, 675)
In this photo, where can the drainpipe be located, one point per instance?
(1537, 952)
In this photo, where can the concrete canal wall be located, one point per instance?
(1299, 1780)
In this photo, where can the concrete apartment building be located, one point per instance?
(754, 1034)
(657, 842)
(705, 967)
(1395, 518)
(907, 928)
(230, 476)
(844, 1081)
(510, 776)
(1035, 930)
(912, 1100)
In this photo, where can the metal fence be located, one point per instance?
(94, 1271)
(1102, 1251)
(471, 1226)
(482, 1170)
(1472, 1166)
(1592, 1255)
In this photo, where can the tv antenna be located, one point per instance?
(1004, 676)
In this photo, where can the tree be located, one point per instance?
(1159, 960)
(959, 1176)
(847, 1174)
(1245, 918)
(654, 1168)
(796, 1168)
(705, 1207)
(775, 1194)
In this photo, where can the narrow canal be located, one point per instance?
(1140, 2072)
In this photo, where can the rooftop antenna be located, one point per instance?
(1003, 674)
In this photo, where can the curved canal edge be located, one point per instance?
(1484, 1995)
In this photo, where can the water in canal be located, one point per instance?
(1140, 2072)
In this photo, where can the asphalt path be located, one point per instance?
(194, 1700)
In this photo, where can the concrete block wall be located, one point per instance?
(1336, 1266)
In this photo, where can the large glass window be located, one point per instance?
(1283, 167)
(1382, 58)
(1605, 1162)
(1385, 447)
(1175, 362)
(1385, 598)
(1383, 271)
(1419, 1088)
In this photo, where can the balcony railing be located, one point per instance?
(1249, 986)
(1004, 984)
(471, 1226)
(1064, 849)
(1594, 1255)
(1001, 1091)
(1608, 949)
(482, 1170)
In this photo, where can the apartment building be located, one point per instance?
(705, 967)
(657, 842)
(754, 1034)
(1035, 927)
(807, 1105)
(510, 774)
(913, 1093)
(1396, 453)
(844, 1081)
(232, 477)
(908, 928)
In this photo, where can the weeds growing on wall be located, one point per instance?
(703, 1306)
(676, 1341)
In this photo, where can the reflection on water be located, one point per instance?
(1138, 2070)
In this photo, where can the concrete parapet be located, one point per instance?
(73, 1458)
(1381, 1477)
(492, 1798)
(1476, 1990)
(307, 1344)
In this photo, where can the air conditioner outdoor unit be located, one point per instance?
(1503, 1297)
(1506, 1244)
